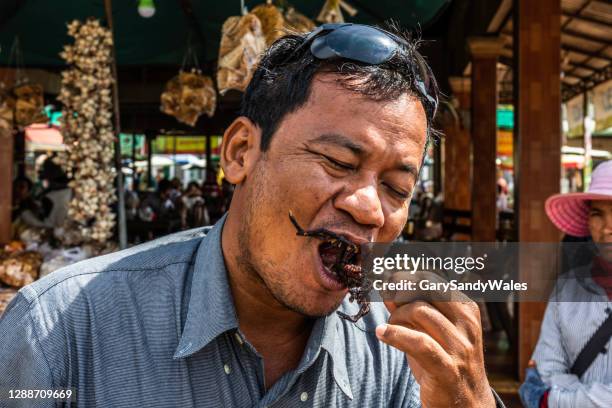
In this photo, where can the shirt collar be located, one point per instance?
(211, 312)
(333, 341)
(211, 306)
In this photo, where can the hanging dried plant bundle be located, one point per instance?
(88, 133)
(6, 296)
(331, 13)
(29, 104)
(188, 95)
(242, 43)
(21, 106)
(272, 21)
(297, 22)
(20, 269)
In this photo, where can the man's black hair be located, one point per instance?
(281, 84)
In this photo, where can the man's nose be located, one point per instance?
(363, 203)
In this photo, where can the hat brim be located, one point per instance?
(570, 212)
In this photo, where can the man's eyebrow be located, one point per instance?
(340, 140)
(344, 141)
(409, 168)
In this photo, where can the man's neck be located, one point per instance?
(278, 333)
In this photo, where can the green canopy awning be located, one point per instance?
(162, 39)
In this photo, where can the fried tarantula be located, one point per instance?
(340, 256)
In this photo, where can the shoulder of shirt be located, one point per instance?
(574, 285)
(178, 248)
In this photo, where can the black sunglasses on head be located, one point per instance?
(369, 45)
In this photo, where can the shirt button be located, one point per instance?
(227, 368)
(304, 396)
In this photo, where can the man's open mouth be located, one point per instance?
(342, 261)
(335, 254)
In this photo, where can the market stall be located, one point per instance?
(201, 57)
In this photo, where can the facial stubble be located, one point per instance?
(260, 271)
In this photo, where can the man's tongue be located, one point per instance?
(329, 254)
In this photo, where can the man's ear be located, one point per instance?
(240, 149)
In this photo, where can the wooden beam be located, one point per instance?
(508, 61)
(484, 52)
(597, 78)
(6, 181)
(584, 36)
(538, 128)
(582, 65)
(586, 19)
(577, 12)
(584, 52)
(567, 74)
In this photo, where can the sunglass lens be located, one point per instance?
(355, 42)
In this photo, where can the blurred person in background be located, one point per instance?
(52, 208)
(160, 209)
(502, 195)
(571, 366)
(22, 197)
(194, 213)
(214, 196)
(177, 189)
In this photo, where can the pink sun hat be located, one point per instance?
(570, 212)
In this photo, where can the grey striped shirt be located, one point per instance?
(155, 326)
(566, 328)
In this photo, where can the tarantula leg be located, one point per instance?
(365, 308)
(317, 233)
(323, 234)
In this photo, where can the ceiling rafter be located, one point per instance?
(507, 60)
(599, 77)
(572, 83)
(591, 54)
(584, 36)
(586, 19)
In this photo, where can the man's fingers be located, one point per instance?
(426, 318)
(464, 315)
(391, 306)
(417, 345)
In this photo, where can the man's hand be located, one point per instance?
(443, 344)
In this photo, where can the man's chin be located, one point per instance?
(312, 309)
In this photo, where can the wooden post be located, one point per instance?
(6, 184)
(538, 128)
(484, 51)
(457, 163)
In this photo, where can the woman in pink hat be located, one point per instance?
(574, 367)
